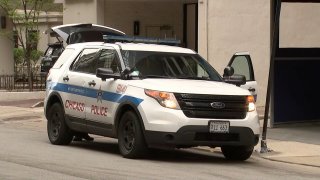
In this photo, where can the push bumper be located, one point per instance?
(192, 135)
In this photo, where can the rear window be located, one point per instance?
(63, 58)
(54, 51)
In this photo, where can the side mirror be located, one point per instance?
(106, 73)
(228, 71)
(236, 79)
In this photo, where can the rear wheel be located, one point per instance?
(240, 153)
(130, 137)
(58, 131)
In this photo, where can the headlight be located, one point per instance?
(251, 106)
(165, 99)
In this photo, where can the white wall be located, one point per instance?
(6, 52)
(122, 14)
(299, 25)
(44, 39)
(46, 21)
(80, 11)
(234, 26)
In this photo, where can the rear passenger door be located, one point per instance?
(75, 79)
(242, 65)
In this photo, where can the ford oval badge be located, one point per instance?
(217, 105)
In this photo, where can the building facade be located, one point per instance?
(6, 45)
(46, 20)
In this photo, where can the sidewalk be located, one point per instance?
(292, 152)
(16, 106)
(296, 144)
(293, 143)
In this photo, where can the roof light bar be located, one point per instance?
(113, 39)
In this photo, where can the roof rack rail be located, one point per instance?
(113, 39)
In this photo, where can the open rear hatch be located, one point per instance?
(77, 33)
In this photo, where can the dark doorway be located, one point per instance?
(296, 89)
(190, 26)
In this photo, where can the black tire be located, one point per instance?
(238, 153)
(130, 137)
(58, 131)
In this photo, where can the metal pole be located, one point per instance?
(275, 41)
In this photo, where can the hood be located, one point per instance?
(76, 33)
(189, 86)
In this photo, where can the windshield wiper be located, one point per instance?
(155, 76)
(194, 77)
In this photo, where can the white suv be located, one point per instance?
(148, 95)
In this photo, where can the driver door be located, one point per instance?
(242, 65)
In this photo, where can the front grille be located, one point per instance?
(216, 137)
(199, 106)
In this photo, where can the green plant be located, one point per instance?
(18, 56)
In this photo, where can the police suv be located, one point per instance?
(150, 95)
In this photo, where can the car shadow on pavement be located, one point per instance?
(104, 147)
(190, 155)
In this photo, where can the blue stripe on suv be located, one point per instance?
(92, 93)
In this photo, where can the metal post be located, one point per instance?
(275, 43)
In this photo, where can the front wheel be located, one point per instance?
(239, 153)
(58, 131)
(130, 137)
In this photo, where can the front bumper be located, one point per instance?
(192, 135)
(158, 118)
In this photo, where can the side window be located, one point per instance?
(86, 62)
(109, 59)
(242, 66)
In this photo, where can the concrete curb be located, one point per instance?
(288, 162)
(265, 156)
(256, 154)
(38, 104)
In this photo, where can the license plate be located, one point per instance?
(219, 126)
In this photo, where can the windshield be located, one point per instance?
(149, 64)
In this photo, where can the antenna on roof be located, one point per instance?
(167, 41)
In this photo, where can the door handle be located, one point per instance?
(252, 89)
(92, 83)
(66, 78)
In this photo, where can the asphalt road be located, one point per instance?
(26, 153)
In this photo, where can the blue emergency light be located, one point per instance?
(133, 39)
